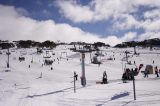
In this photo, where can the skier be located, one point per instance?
(146, 72)
(156, 71)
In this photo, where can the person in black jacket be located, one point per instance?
(104, 80)
(156, 71)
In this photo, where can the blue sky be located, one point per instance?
(107, 20)
(47, 9)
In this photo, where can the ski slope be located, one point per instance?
(22, 86)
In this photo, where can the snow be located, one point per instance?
(22, 86)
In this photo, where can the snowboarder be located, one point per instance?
(156, 71)
(104, 81)
(29, 66)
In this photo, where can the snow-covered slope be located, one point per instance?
(22, 86)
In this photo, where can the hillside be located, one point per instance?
(35, 84)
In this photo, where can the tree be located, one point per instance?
(99, 44)
(24, 44)
(6, 45)
(48, 44)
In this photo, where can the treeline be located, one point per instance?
(6, 44)
(95, 44)
(27, 44)
(145, 43)
(48, 44)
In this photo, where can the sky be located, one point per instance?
(108, 21)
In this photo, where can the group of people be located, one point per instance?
(129, 74)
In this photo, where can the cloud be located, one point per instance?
(151, 3)
(119, 11)
(153, 14)
(129, 36)
(97, 10)
(15, 26)
(152, 21)
(22, 11)
(125, 21)
(75, 12)
(148, 35)
(150, 25)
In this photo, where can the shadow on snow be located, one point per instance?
(50, 93)
(117, 96)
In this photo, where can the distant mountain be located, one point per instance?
(145, 43)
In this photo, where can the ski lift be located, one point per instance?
(48, 62)
(39, 51)
(95, 60)
(47, 55)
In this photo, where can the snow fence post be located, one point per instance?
(8, 53)
(74, 82)
(134, 86)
